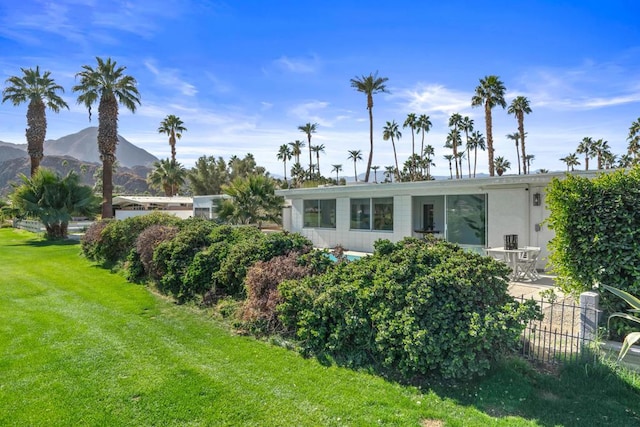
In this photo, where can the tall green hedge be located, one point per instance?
(597, 234)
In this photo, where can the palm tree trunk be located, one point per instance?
(35, 133)
(525, 168)
(107, 141)
(107, 187)
(172, 143)
(355, 171)
(475, 161)
(370, 108)
(488, 124)
(518, 157)
(395, 156)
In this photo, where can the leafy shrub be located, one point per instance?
(597, 230)
(172, 258)
(417, 309)
(118, 237)
(92, 239)
(259, 309)
(140, 262)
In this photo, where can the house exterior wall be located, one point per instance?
(124, 214)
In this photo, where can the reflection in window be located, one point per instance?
(383, 213)
(360, 214)
(466, 219)
(319, 213)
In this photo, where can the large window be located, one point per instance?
(466, 219)
(319, 213)
(382, 219)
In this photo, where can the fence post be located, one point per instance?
(589, 316)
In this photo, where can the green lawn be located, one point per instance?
(81, 346)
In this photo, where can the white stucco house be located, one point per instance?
(476, 213)
(206, 206)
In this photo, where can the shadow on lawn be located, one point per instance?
(579, 393)
(45, 243)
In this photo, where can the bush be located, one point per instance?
(140, 262)
(92, 239)
(597, 229)
(419, 309)
(118, 237)
(259, 309)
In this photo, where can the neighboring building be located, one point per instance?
(129, 206)
(475, 213)
(206, 206)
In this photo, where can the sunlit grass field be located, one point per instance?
(81, 346)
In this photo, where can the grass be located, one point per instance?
(81, 346)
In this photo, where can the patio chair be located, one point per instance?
(526, 264)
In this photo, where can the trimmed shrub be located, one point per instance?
(92, 239)
(419, 309)
(597, 236)
(140, 262)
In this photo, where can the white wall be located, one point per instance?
(123, 214)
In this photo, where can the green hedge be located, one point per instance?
(414, 308)
(597, 235)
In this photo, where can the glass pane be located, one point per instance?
(466, 219)
(327, 214)
(383, 213)
(310, 215)
(360, 213)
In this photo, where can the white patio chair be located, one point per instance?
(526, 264)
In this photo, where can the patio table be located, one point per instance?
(510, 256)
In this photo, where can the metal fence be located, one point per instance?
(566, 329)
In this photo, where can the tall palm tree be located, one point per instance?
(424, 126)
(586, 147)
(466, 125)
(40, 91)
(355, 155)
(318, 149)
(501, 165)
(529, 159)
(626, 161)
(389, 172)
(602, 150)
(284, 154)
(449, 157)
(634, 140)
(173, 127)
(375, 173)
(455, 121)
(519, 107)
(168, 176)
(109, 86)
(369, 85)
(308, 129)
(571, 160)
(297, 174)
(477, 141)
(453, 140)
(390, 131)
(489, 93)
(516, 137)
(296, 149)
(337, 169)
(412, 122)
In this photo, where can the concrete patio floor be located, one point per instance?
(532, 289)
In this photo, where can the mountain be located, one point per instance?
(84, 146)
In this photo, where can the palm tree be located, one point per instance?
(634, 139)
(297, 174)
(253, 201)
(369, 85)
(602, 149)
(586, 147)
(168, 176)
(412, 122)
(309, 129)
(392, 132)
(296, 149)
(318, 149)
(337, 169)
(389, 172)
(375, 173)
(529, 159)
(571, 160)
(173, 127)
(427, 156)
(424, 126)
(449, 157)
(489, 93)
(476, 141)
(40, 91)
(519, 107)
(109, 86)
(285, 154)
(355, 155)
(453, 139)
(626, 161)
(501, 165)
(466, 125)
(516, 137)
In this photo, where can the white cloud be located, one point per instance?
(171, 79)
(298, 65)
(309, 112)
(433, 99)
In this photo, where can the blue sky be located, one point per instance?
(243, 75)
